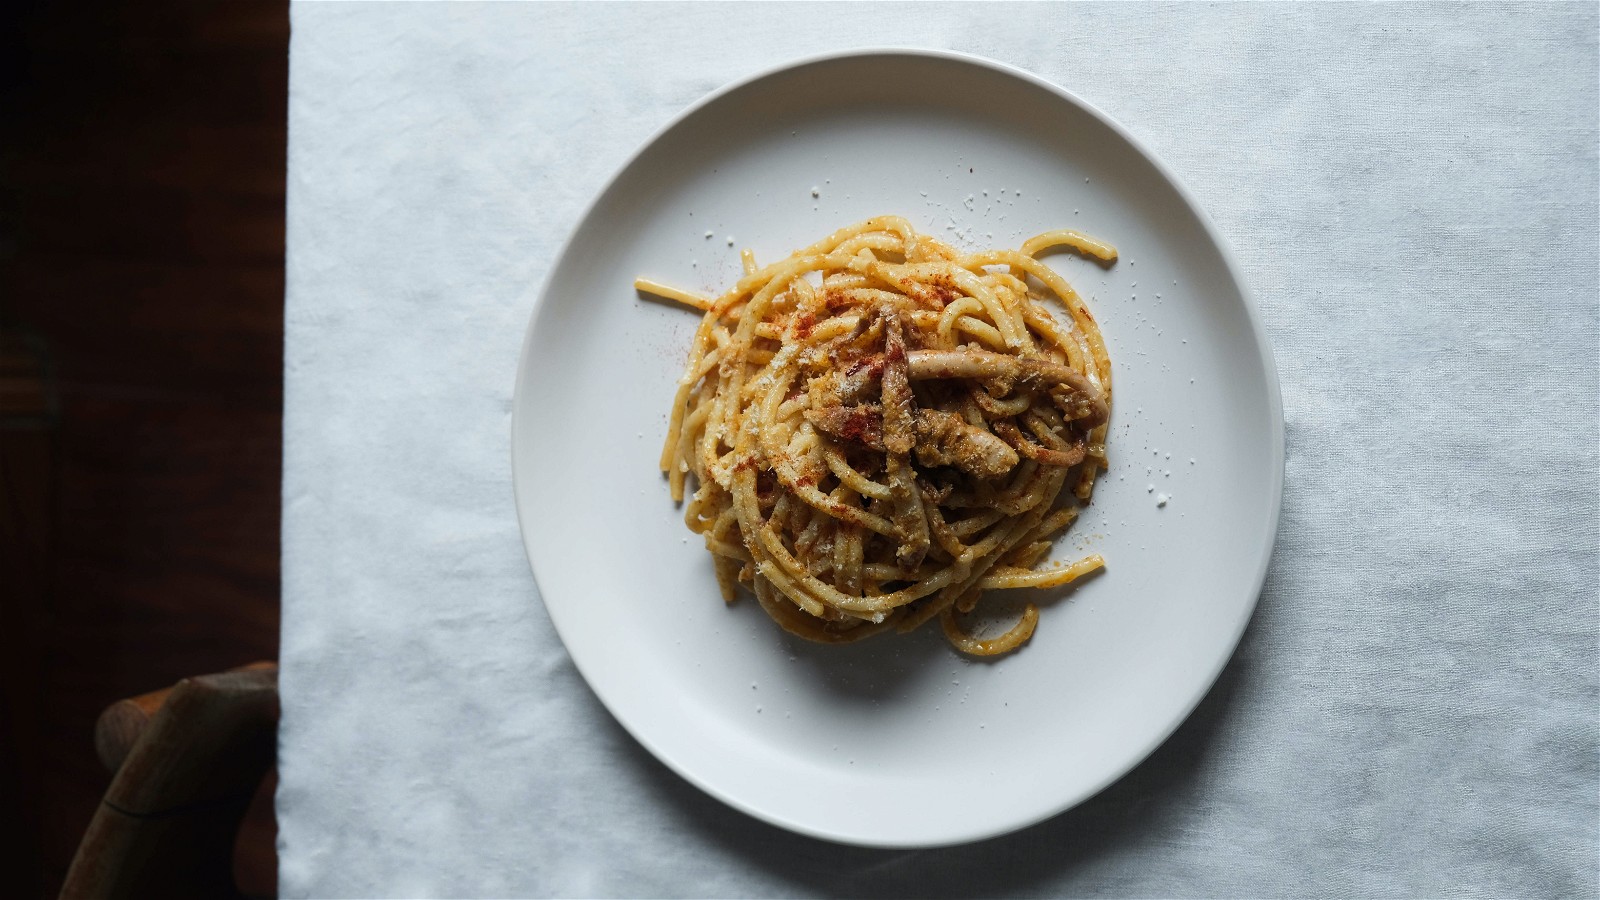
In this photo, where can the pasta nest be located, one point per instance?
(880, 428)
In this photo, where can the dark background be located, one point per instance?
(141, 321)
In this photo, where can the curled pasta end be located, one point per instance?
(1005, 643)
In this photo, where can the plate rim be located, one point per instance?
(1258, 334)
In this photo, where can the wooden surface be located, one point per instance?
(141, 247)
(197, 753)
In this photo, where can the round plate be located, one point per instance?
(899, 741)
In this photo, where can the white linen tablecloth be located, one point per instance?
(1412, 192)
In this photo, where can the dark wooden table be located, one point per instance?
(141, 270)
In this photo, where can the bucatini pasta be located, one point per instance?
(880, 428)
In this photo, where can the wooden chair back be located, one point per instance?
(188, 760)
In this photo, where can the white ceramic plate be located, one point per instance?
(899, 741)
